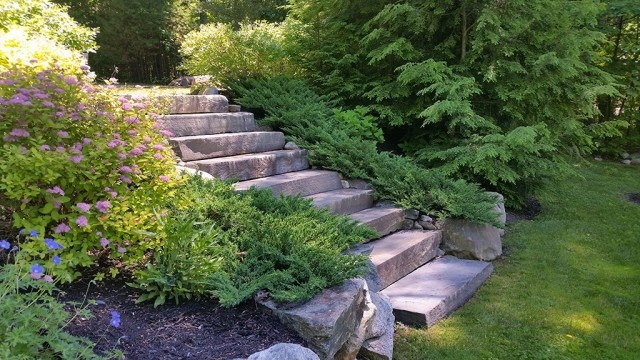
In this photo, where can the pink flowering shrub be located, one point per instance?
(81, 166)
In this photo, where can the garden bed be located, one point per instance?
(192, 329)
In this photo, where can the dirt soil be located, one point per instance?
(634, 197)
(190, 330)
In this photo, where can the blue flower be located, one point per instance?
(4, 244)
(52, 244)
(33, 233)
(115, 319)
(37, 269)
(56, 259)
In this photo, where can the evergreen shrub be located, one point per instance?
(308, 119)
(230, 246)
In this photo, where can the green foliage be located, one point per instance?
(228, 55)
(186, 263)
(442, 75)
(236, 12)
(39, 31)
(80, 165)
(33, 321)
(358, 122)
(292, 106)
(249, 242)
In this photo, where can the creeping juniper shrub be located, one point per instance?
(232, 245)
(333, 144)
(80, 166)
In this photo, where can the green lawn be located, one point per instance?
(568, 286)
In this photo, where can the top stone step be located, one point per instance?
(191, 104)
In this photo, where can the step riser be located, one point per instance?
(254, 166)
(344, 205)
(383, 221)
(190, 104)
(435, 290)
(303, 183)
(215, 146)
(207, 124)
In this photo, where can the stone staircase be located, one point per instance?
(422, 285)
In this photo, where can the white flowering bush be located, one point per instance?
(81, 167)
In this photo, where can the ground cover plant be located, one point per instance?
(229, 246)
(566, 287)
(336, 144)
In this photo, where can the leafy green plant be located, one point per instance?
(292, 106)
(81, 166)
(230, 246)
(32, 321)
(226, 54)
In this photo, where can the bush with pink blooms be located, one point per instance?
(81, 167)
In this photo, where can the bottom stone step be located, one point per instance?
(436, 289)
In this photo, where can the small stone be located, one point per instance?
(635, 161)
(425, 218)
(417, 226)
(407, 224)
(345, 184)
(285, 351)
(234, 108)
(625, 155)
(626, 162)
(209, 91)
(597, 158)
(430, 226)
(290, 145)
(385, 203)
(411, 214)
(359, 184)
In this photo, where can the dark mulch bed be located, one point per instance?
(190, 330)
(634, 197)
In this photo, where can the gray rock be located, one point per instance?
(417, 226)
(597, 158)
(290, 145)
(328, 320)
(352, 346)
(359, 184)
(285, 351)
(407, 224)
(502, 217)
(470, 240)
(234, 108)
(635, 155)
(625, 155)
(635, 161)
(345, 184)
(428, 226)
(425, 218)
(412, 214)
(379, 339)
(626, 162)
(208, 91)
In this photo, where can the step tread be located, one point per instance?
(252, 166)
(436, 289)
(384, 220)
(207, 123)
(189, 104)
(343, 201)
(199, 147)
(399, 254)
(302, 183)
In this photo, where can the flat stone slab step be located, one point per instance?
(399, 254)
(302, 183)
(208, 123)
(189, 104)
(436, 289)
(384, 220)
(252, 166)
(190, 148)
(343, 201)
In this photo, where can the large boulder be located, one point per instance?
(469, 240)
(285, 351)
(379, 340)
(329, 320)
(352, 346)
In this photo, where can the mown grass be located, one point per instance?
(568, 286)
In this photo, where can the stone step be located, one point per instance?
(190, 148)
(384, 220)
(208, 123)
(343, 201)
(436, 289)
(190, 104)
(252, 166)
(302, 183)
(399, 254)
